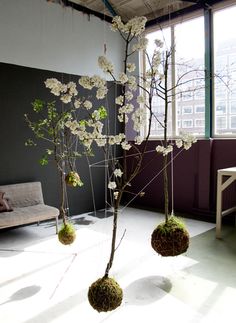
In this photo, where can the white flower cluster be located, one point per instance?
(139, 118)
(131, 67)
(116, 140)
(118, 172)
(141, 44)
(112, 185)
(94, 81)
(138, 140)
(134, 26)
(66, 91)
(186, 140)
(123, 78)
(164, 150)
(105, 65)
(132, 83)
(119, 100)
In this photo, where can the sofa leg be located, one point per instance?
(57, 225)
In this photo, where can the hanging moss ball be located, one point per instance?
(105, 294)
(67, 234)
(73, 179)
(171, 238)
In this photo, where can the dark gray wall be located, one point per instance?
(19, 86)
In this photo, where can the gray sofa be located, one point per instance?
(26, 200)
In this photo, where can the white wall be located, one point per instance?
(37, 33)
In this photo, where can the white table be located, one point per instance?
(230, 173)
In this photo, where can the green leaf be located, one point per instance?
(38, 105)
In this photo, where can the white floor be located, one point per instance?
(43, 281)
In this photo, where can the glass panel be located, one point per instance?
(225, 69)
(189, 40)
(158, 103)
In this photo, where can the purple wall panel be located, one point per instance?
(194, 177)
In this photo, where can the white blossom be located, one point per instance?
(125, 145)
(128, 95)
(159, 43)
(140, 99)
(131, 67)
(88, 104)
(116, 194)
(71, 86)
(105, 65)
(141, 44)
(101, 141)
(101, 92)
(120, 100)
(85, 82)
(132, 83)
(112, 185)
(123, 118)
(138, 140)
(77, 103)
(164, 150)
(139, 118)
(66, 98)
(186, 140)
(134, 26)
(118, 172)
(123, 78)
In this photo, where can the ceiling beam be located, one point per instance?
(109, 7)
(86, 10)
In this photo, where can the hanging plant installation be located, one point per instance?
(134, 107)
(50, 126)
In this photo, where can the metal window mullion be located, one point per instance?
(209, 72)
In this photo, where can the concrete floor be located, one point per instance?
(43, 281)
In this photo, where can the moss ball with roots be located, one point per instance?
(170, 238)
(105, 294)
(67, 234)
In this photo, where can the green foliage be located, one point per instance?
(44, 160)
(102, 112)
(172, 224)
(73, 179)
(38, 105)
(67, 234)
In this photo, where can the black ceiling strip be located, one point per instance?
(86, 10)
(181, 12)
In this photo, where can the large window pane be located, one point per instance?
(189, 40)
(225, 70)
(158, 103)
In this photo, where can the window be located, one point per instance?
(199, 123)
(199, 109)
(233, 122)
(225, 65)
(188, 39)
(233, 107)
(187, 123)
(187, 110)
(221, 123)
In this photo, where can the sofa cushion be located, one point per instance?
(23, 194)
(28, 214)
(4, 205)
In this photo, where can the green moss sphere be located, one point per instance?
(73, 179)
(67, 234)
(171, 238)
(105, 294)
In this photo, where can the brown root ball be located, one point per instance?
(105, 294)
(67, 234)
(171, 238)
